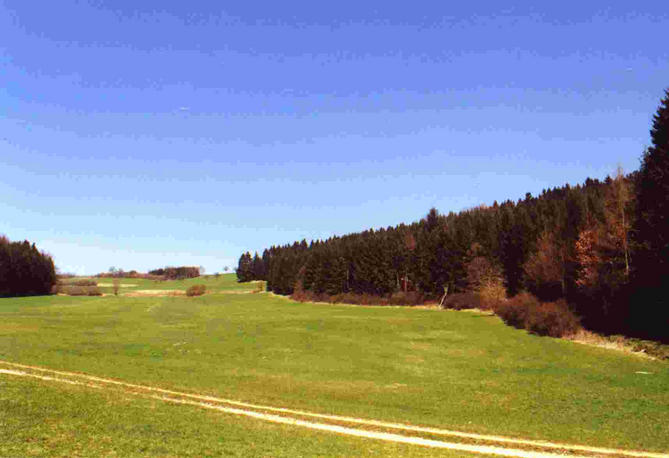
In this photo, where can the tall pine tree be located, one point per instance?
(651, 306)
(652, 231)
(245, 268)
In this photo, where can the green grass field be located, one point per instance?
(222, 283)
(38, 419)
(457, 370)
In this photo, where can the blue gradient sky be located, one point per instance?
(141, 134)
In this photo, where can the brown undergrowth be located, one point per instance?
(410, 298)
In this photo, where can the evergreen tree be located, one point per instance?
(24, 270)
(567, 242)
(652, 230)
(266, 256)
(258, 268)
(651, 261)
(245, 268)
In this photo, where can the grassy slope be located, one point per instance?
(449, 369)
(38, 419)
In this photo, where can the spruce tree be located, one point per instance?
(652, 231)
(245, 268)
(258, 268)
(651, 261)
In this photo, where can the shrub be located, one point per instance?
(406, 298)
(260, 287)
(524, 311)
(552, 319)
(462, 301)
(481, 272)
(515, 310)
(302, 295)
(82, 282)
(652, 348)
(368, 299)
(491, 294)
(345, 298)
(399, 298)
(77, 288)
(196, 290)
(74, 290)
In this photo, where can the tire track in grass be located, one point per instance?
(533, 448)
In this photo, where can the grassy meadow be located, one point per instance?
(38, 418)
(221, 283)
(455, 370)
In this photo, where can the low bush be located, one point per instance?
(82, 282)
(196, 290)
(344, 298)
(524, 311)
(407, 298)
(302, 295)
(399, 298)
(358, 299)
(655, 349)
(491, 294)
(462, 301)
(74, 290)
(515, 310)
(552, 319)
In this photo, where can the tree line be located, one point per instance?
(24, 270)
(603, 246)
(177, 273)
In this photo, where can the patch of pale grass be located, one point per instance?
(155, 293)
(617, 343)
(474, 310)
(236, 292)
(122, 285)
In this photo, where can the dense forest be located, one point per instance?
(602, 247)
(24, 270)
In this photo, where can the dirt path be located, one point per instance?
(474, 443)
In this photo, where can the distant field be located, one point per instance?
(222, 283)
(456, 370)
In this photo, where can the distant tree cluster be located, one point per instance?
(119, 273)
(603, 247)
(177, 273)
(252, 268)
(24, 270)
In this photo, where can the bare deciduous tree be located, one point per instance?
(618, 198)
(545, 267)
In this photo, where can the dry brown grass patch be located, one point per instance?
(617, 343)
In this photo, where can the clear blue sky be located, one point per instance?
(139, 134)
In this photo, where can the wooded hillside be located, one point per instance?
(603, 246)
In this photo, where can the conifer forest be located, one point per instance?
(600, 247)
